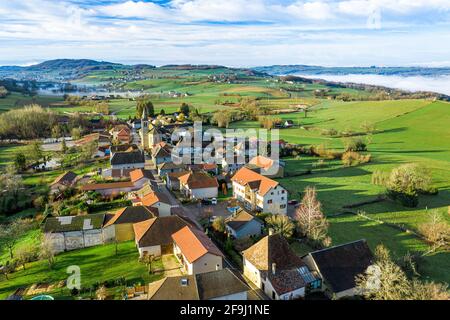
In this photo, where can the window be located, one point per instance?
(282, 206)
(282, 198)
(283, 191)
(269, 201)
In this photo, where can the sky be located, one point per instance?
(237, 33)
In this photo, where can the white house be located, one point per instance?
(274, 268)
(128, 160)
(154, 236)
(156, 200)
(198, 185)
(258, 192)
(196, 251)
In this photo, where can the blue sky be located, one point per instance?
(228, 32)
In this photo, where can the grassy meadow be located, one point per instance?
(406, 131)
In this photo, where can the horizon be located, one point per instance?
(234, 33)
(34, 63)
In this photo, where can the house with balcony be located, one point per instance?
(258, 192)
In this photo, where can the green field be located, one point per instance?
(409, 131)
(97, 264)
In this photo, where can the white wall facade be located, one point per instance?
(153, 250)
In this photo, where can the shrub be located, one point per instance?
(352, 158)
(408, 199)
(407, 182)
(323, 152)
(330, 132)
(355, 144)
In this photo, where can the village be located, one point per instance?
(218, 228)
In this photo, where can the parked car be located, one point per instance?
(213, 201)
(206, 202)
(293, 202)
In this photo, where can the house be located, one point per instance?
(210, 168)
(149, 187)
(339, 265)
(73, 232)
(140, 177)
(169, 167)
(161, 154)
(120, 226)
(215, 285)
(156, 200)
(111, 188)
(154, 236)
(128, 160)
(232, 164)
(102, 139)
(196, 251)
(274, 268)
(63, 181)
(243, 224)
(123, 148)
(198, 185)
(173, 181)
(121, 133)
(258, 192)
(267, 166)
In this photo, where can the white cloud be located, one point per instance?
(245, 32)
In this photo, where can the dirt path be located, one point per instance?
(171, 266)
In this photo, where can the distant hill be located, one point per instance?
(318, 70)
(63, 64)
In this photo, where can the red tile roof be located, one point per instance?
(198, 180)
(245, 176)
(194, 244)
(154, 197)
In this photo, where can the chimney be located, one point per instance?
(274, 268)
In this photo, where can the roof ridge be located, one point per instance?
(337, 246)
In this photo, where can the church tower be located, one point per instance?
(144, 129)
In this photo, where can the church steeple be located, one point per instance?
(144, 129)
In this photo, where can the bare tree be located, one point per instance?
(311, 221)
(46, 252)
(384, 280)
(101, 293)
(436, 231)
(148, 259)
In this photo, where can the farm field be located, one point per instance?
(409, 132)
(97, 264)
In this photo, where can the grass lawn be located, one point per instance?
(97, 264)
